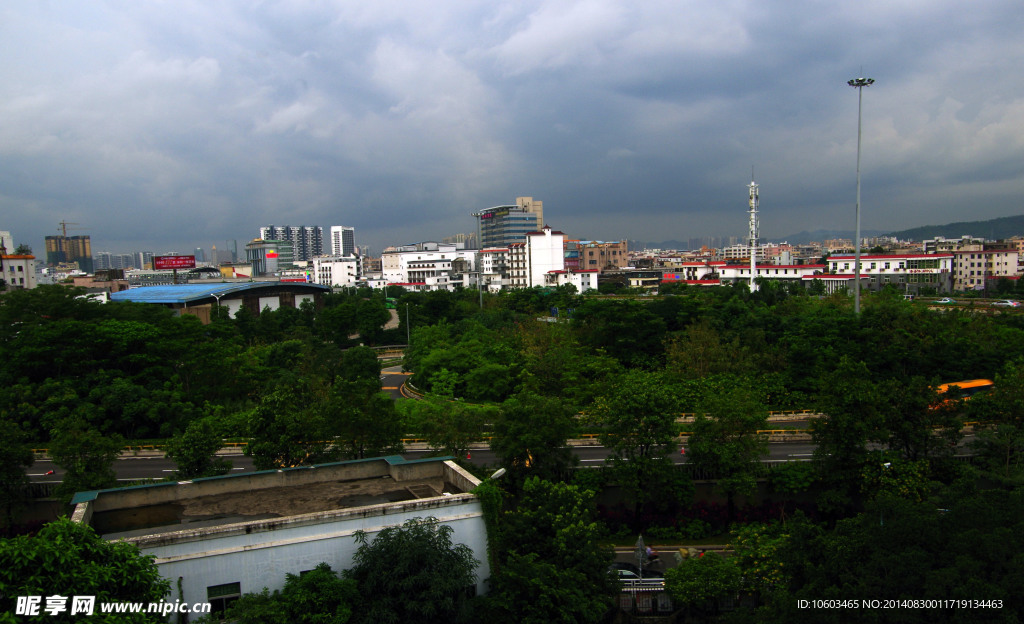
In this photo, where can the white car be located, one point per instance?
(1006, 303)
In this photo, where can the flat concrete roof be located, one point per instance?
(166, 507)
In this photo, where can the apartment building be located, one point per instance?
(971, 268)
(602, 256)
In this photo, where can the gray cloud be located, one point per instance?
(173, 125)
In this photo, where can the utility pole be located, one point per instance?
(752, 187)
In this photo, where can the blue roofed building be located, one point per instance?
(201, 299)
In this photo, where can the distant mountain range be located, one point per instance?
(720, 241)
(993, 229)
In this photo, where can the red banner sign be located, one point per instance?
(174, 262)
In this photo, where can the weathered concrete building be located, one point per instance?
(220, 537)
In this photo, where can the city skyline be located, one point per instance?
(165, 127)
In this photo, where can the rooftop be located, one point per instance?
(189, 293)
(257, 497)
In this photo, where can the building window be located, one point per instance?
(221, 597)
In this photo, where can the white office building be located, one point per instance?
(909, 273)
(335, 271)
(425, 266)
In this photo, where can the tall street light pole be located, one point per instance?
(859, 84)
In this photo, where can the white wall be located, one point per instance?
(261, 558)
(270, 302)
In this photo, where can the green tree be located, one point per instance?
(889, 474)
(86, 456)
(195, 451)
(364, 420)
(899, 548)
(449, 427)
(636, 420)
(69, 559)
(289, 428)
(530, 590)
(913, 425)
(319, 596)
(792, 477)
(370, 317)
(1005, 404)
(530, 434)
(15, 457)
(360, 363)
(627, 330)
(414, 572)
(758, 550)
(853, 409)
(726, 442)
(700, 352)
(1001, 449)
(552, 566)
(699, 582)
(555, 364)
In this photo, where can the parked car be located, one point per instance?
(946, 300)
(1006, 303)
(630, 572)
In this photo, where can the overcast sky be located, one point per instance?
(167, 125)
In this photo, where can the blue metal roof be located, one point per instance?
(188, 293)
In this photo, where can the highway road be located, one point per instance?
(148, 466)
(135, 468)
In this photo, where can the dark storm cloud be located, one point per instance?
(173, 125)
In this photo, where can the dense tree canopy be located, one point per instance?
(69, 559)
(627, 368)
(413, 572)
(550, 563)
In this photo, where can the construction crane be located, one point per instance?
(64, 227)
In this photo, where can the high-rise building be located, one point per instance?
(502, 226)
(307, 241)
(466, 241)
(343, 240)
(269, 257)
(76, 249)
(143, 259)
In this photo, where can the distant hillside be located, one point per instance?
(794, 239)
(993, 229)
(671, 244)
(817, 236)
